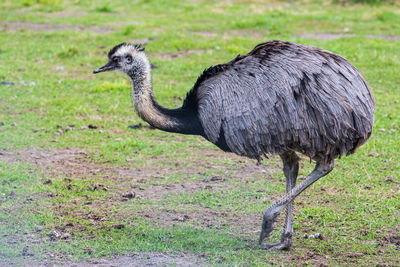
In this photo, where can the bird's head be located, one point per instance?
(127, 58)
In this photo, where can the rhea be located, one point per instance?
(280, 98)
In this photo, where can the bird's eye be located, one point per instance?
(115, 59)
(128, 59)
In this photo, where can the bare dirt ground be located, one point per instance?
(131, 182)
(69, 164)
(333, 36)
(148, 259)
(145, 183)
(45, 27)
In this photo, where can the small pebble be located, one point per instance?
(37, 130)
(6, 83)
(14, 124)
(389, 179)
(26, 252)
(129, 195)
(66, 236)
(374, 154)
(136, 126)
(54, 235)
(118, 226)
(59, 68)
(91, 126)
(68, 128)
(317, 236)
(182, 219)
(89, 251)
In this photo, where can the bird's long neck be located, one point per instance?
(180, 120)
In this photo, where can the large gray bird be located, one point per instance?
(281, 98)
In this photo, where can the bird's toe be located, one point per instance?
(267, 224)
(276, 247)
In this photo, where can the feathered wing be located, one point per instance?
(296, 97)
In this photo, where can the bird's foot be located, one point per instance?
(285, 244)
(267, 224)
(276, 246)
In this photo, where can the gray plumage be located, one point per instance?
(285, 96)
(281, 98)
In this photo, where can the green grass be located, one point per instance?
(355, 207)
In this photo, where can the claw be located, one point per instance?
(266, 229)
(267, 224)
(285, 244)
(266, 246)
(276, 247)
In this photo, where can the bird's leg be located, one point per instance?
(320, 170)
(290, 168)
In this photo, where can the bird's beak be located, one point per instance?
(107, 67)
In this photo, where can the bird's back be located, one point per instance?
(285, 96)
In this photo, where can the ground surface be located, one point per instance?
(83, 181)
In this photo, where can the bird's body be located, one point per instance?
(284, 96)
(279, 98)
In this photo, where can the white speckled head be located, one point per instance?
(133, 61)
(128, 58)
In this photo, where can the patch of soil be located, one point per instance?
(183, 53)
(143, 41)
(149, 259)
(59, 14)
(65, 13)
(325, 36)
(137, 259)
(68, 161)
(69, 165)
(390, 239)
(385, 37)
(148, 183)
(208, 218)
(333, 36)
(45, 27)
(229, 33)
(306, 258)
